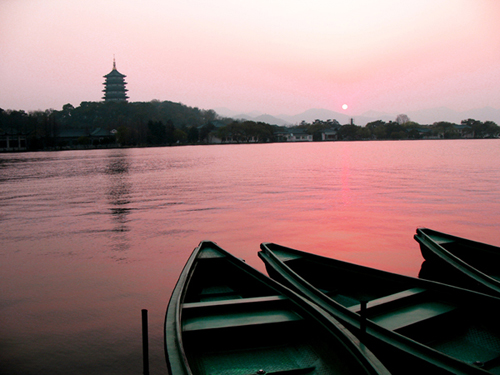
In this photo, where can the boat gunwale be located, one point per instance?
(171, 316)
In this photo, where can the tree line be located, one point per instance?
(158, 123)
(403, 128)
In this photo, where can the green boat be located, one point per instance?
(226, 318)
(408, 323)
(459, 261)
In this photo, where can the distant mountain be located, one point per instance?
(319, 114)
(268, 119)
(424, 117)
(271, 120)
(324, 114)
(225, 112)
(483, 114)
(252, 116)
(429, 116)
(376, 114)
(432, 115)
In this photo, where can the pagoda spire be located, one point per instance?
(114, 62)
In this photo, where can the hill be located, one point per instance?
(426, 116)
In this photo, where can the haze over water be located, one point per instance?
(89, 238)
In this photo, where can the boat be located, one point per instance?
(408, 323)
(459, 261)
(226, 318)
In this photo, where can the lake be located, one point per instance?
(89, 238)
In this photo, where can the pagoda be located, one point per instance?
(114, 87)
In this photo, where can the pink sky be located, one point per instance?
(272, 56)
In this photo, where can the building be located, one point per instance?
(13, 140)
(80, 138)
(465, 131)
(114, 86)
(293, 135)
(329, 135)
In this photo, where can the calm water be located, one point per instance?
(89, 238)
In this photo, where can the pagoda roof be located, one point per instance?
(114, 72)
(108, 89)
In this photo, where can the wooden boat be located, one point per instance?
(224, 317)
(408, 323)
(459, 261)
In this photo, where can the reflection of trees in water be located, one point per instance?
(118, 165)
(119, 198)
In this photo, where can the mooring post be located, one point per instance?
(362, 325)
(145, 342)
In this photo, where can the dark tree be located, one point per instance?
(170, 132)
(193, 134)
(348, 132)
(157, 133)
(206, 130)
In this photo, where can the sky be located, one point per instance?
(272, 56)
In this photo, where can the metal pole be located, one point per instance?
(363, 317)
(145, 342)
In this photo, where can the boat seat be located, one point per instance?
(235, 301)
(294, 371)
(407, 315)
(392, 298)
(238, 319)
(392, 311)
(235, 313)
(218, 293)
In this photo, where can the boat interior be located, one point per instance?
(223, 301)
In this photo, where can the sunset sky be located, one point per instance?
(272, 56)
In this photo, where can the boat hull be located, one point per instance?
(459, 261)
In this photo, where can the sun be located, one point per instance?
(344, 106)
